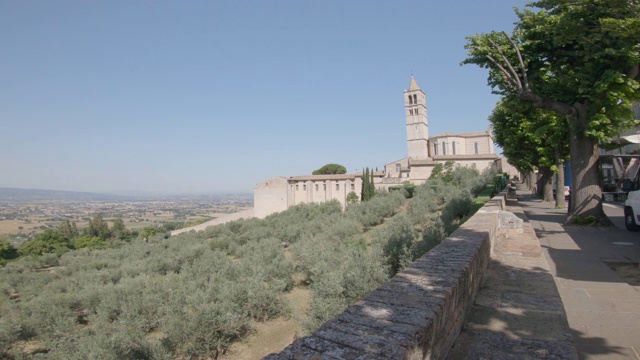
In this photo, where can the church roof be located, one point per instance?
(466, 157)
(323, 177)
(334, 177)
(413, 85)
(468, 134)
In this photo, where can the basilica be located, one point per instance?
(472, 149)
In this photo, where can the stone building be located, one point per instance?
(473, 149)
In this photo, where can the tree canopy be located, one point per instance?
(330, 169)
(532, 138)
(579, 59)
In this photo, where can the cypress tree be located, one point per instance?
(364, 195)
(372, 186)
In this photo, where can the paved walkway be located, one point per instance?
(245, 214)
(603, 310)
(518, 312)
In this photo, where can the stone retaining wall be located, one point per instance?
(419, 312)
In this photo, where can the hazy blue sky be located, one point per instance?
(211, 96)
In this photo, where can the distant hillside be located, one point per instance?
(15, 194)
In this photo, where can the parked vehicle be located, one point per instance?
(632, 206)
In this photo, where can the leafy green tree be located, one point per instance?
(98, 227)
(118, 229)
(68, 229)
(7, 251)
(330, 169)
(49, 241)
(91, 242)
(147, 232)
(118, 225)
(437, 171)
(579, 59)
(448, 171)
(443, 171)
(352, 198)
(533, 139)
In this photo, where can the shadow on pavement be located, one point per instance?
(603, 310)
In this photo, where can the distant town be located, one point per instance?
(25, 213)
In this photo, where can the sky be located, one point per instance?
(212, 96)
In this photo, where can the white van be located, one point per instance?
(632, 206)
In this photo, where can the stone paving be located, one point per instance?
(518, 313)
(602, 309)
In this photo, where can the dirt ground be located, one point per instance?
(273, 336)
(629, 272)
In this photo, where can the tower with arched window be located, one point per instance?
(415, 103)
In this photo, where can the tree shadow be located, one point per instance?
(518, 314)
(594, 295)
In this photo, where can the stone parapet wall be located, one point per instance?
(419, 312)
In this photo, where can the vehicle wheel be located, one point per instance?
(629, 221)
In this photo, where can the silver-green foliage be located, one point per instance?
(105, 304)
(192, 295)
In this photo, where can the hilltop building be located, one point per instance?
(473, 149)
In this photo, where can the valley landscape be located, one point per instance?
(240, 290)
(25, 213)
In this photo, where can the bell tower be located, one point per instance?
(415, 105)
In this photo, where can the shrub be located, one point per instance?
(90, 242)
(396, 240)
(49, 241)
(407, 189)
(7, 251)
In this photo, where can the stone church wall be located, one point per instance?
(270, 197)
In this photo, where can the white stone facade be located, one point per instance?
(473, 149)
(280, 193)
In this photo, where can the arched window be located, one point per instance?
(475, 147)
(435, 149)
(415, 98)
(444, 148)
(453, 148)
(410, 100)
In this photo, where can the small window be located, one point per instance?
(444, 148)
(416, 111)
(398, 167)
(410, 100)
(316, 187)
(337, 186)
(415, 98)
(435, 149)
(453, 148)
(353, 186)
(475, 147)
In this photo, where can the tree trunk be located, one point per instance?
(560, 201)
(586, 195)
(546, 184)
(531, 181)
